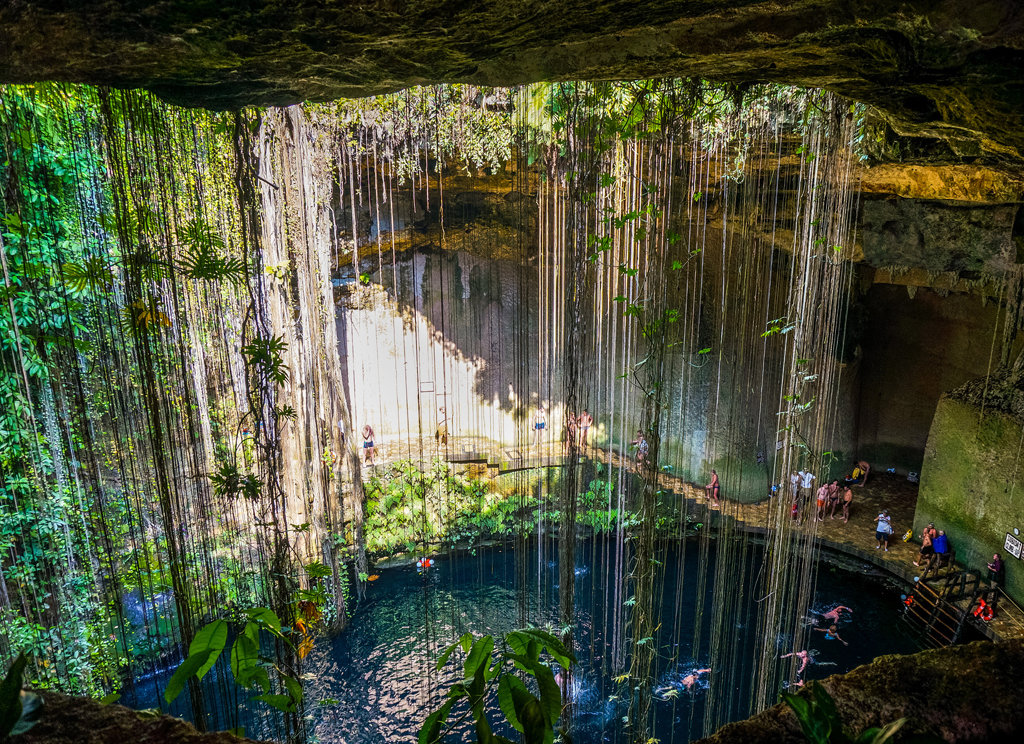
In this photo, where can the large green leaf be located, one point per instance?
(554, 646)
(181, 675)
(245, 655)
(550, 695)
(535, 727)
(511, 688)
(283, 703)
(10, 695)
(211, 637)
(265, 617)
(31, 711)
(430, 732)
(480, 655)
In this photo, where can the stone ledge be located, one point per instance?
(964, 694)
(74, 720)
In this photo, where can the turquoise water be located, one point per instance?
(378, 680)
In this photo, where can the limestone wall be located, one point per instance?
(971, 484)
(914, 348)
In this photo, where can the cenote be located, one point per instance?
(620, 357)
(376, 681)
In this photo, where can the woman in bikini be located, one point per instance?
(712, 488)
(368, 448)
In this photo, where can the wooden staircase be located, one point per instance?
(938, 607)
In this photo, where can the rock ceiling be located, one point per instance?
(952, 70)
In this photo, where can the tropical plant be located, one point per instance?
(19, 709)
(820, 722)
(250, 668)
(508, 675)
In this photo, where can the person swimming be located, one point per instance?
(691, 679)
(687, 682)
(804, 656)
(831, 633)
(835, 613)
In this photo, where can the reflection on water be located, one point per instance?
(376, 681)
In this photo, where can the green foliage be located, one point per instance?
(265, 355)
(820, 722)
(204, 257)
(19, 710)
(231, 483)
(487, 675)
(249, 667)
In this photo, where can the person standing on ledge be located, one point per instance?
(641, 447)
(883, 530)
(822, 504)
(585, 421)
(995, 571)
(712, 488)
(806, 484)
(847, 498)
(368, 448)
(441, 434)
(540, 422)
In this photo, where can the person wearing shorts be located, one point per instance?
(540, 422)
(368, 448)
(585, 422)
(928, 534)
(882, 530)
(822, 502)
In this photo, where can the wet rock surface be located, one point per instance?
(961, 694)
(74, 720)
(950, 70)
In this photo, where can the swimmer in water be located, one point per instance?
(804, 657)
(831, 633)
(691, 679)
(835, 613)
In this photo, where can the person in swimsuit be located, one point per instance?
(691, 679)
(585, 422)
(712, 488)
(368, 448)
(540, 422)
(928, 534)
(833, 498)
(822, 502)
(835, 613)
(641, 447)
(804, 657)
(831, 633)
(847, 498)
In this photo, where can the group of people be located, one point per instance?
(829, 498)
(934, 547)
(577, 427)
(832, 497)
(831, 632)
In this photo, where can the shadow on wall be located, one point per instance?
(443, 331)
(455, 331)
